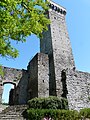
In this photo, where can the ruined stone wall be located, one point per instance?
(43, 75)
(11, 75)
(33, 78)
(38, 71)
(78, 86)
(21, 89)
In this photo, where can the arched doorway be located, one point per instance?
(7, 96)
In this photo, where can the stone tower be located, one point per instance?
(52, 71)
(56, 44)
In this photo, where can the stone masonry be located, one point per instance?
(11, 75)
(38, 79)
(52, 71)
(78, 85)
(57, 45)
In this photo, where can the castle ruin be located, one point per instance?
(51, 72)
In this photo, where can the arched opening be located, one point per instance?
(7, 91)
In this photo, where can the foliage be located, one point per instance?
(1, 71)
(56, 108)
(38, 114)
(5, 104)
(53, 107)
(19, 19)
(51, 102)
(85, 113)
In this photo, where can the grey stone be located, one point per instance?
(52, 71)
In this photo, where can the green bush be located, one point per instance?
(85, 113)
(38, 114)
(56, 108)
(51, 102)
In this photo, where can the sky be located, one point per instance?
(78, 25)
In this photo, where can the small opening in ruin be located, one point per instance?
(6, 92)
(43, 81)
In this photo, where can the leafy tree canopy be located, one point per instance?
(19, 19)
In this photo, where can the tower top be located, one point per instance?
(57, 7)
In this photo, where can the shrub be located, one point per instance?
(51, 102)
(56, 108)
(85, 113)
(38, 114)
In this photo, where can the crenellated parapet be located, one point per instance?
(57, 8)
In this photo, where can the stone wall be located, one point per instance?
(11, 75)
(21, 89)
(38, 79)
(30, 83)
(33, 78)
(43, 75)
(78, 85)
